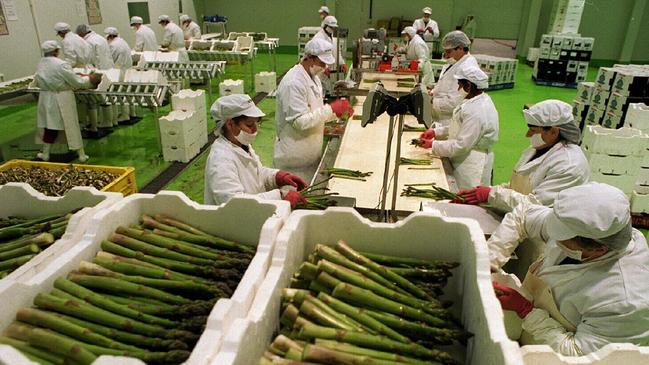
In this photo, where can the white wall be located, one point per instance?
(20, 50)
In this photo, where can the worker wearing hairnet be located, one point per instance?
(57, 110)
(121, 53)
(100, 55)
(233, 167)
(323, 12)
(144, 36)
(329, 26)
(553, 162)
(301, 112)
(426, 27)
(173, 39)
(445, 93)
(191, 30)
(472, 133)
(591, 287)
(75, 51)
(417, 50)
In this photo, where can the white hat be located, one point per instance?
(409, 31)
(454, 39)
(184, 18)
(136, 20)
(111, 31)
(62, 27)
(232, 106)
(597, 211)
(322, 49)
(427, 10)
(164, 18)
(473, 74)
(83, 29)
(549, 113)
(49, 46)
(324, 9)
(331, 21)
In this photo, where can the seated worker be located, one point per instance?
(233, 167)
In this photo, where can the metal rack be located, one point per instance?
(193, 70)
(228, 56)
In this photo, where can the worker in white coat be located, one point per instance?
(301, 112)
(57, 110)
(100, 56)
(173, 38)
(472, 133)
(417, 50)
(121, 53)
(191, 30)
(445, 93)
(323, 12)
(590, 288)
(144, 36)
(329, 27)
(553, 162)
(75, 51)
(426, 27)
(233, 167)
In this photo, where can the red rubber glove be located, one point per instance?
(327, 71)
(343, 68)
(283, 178)
(294, 198)
(512, 300)
(340, 107)
(426, 143)
(430, 29)
(475, 196)
(429, 134)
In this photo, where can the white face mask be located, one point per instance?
(316, 70)
(573, 254)
(537, 141)
(245, 138)
(450, 60)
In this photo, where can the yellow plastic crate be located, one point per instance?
(125, 182)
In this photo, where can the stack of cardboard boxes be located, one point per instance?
(566, 16)
(501, 71)
(563, 59)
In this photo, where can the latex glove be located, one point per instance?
(430, 29)
(512, 300)
(429, 134)
(476, 196)
(283, 178)
(340, 107)
(425, 143)
(420, 31)
(343, 68)
(294, 198)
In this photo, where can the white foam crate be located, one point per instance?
(639, 202)
(265, 82)
(611, 164)
(645, 159)
(611, 354)
(20, 199)
(637, 116)
(623, 142)
(455, 239)
(229, 87)
(263, 219)
(179, 128)
(180, 153)
(642, 176)
(189, 100)
(622, 182)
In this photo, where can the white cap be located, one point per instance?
(111, 31)
(62, 27)
(409, 31)
(331, 21)
(136, 20)
(597, 211)
(321, 48)
(49, 46)
(473, 74)
(232, 106)
(164, 18)
(184, 18)
(455, 39)
(549, 113)
(324, 9)
(83, 29)
(427, 10)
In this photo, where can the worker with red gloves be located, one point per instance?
(327, 33)
(426, 27)
(233, 167)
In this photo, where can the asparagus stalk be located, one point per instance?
(154, 250)
(15, 263)
(307, 271)
(299, 296)
(42, 239)
(418, 330)
(435, 274)
(153, 309)
(22, 251)
(310, 310)
(284, 343)
(33, 353)
(329, 356)
(351, 349)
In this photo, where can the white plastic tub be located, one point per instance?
(421, 235)
(246, 220)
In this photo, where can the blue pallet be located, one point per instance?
(501, 86)
(572, 85)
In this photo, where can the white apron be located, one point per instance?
(472, 169)
(69, 122)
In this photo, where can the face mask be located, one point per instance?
(537, 141)
(245, 138)
(450, 60)
(315, 70)
(573, 254)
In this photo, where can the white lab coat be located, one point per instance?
(421, 25)
(57, 109)
(417, 50)
(299, 121)
(100, 56)
(324, 36)
(174, 40)
(445, 93)
(471, 136)
(230, 171)
(121, 54)
(145, 40)
(75, 50)
(562, 167)
(191, 31)
(607, 299)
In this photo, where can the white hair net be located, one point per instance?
(409, 31)
(455, 39)
(62, 27)
(475, 75)
(321, 48)
(111, 31)
(184, 18)
(83, 29)
(330, 20)
(549, 113)
(49, 47)
(232, 106)
(136, 20)
(427, 10)
(164, 18)
(324, 9)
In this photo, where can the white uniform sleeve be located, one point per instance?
(224, 184)
(167, 38)
(546, 330)
(435, 30)
(268, 175)
(421, 50)
(139, 42)
(557, 179)
(69, 55)
(441, 132)
(467, 137)
(504, 199)
(196, 31)
(446, 103)
(75, 81)
(297, 110)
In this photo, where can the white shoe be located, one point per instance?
(83, 158)
(43, 156)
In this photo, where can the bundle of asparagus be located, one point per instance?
(317, 196)
(147, 295)
(414, 161)
(435, 192)
(349, 307)
(347, 173)
(23, 238)
(409, 128)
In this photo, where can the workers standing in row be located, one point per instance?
(173, 38)
(191, 30)
(144, 36)
(123, 60)
(75, 51)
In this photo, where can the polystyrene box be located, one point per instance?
(642, 176)
(189, 100)
(262, 218)
(622, 142)
(265, 82)
(585, 90)
(179, 128)
(639, 203)
(611, 164)
(455, 239)
(180, 153)
(637, 116)
(228, 87)
(623, 182)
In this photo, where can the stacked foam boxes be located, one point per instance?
(229, 87)
(501, 71)
(305, 34)
(563, 59)
(582, 103)
(184, 130)
(615, 155)
(638, 117)
(265, 82)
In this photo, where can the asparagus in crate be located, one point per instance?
(147, 295)
(351, 308)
